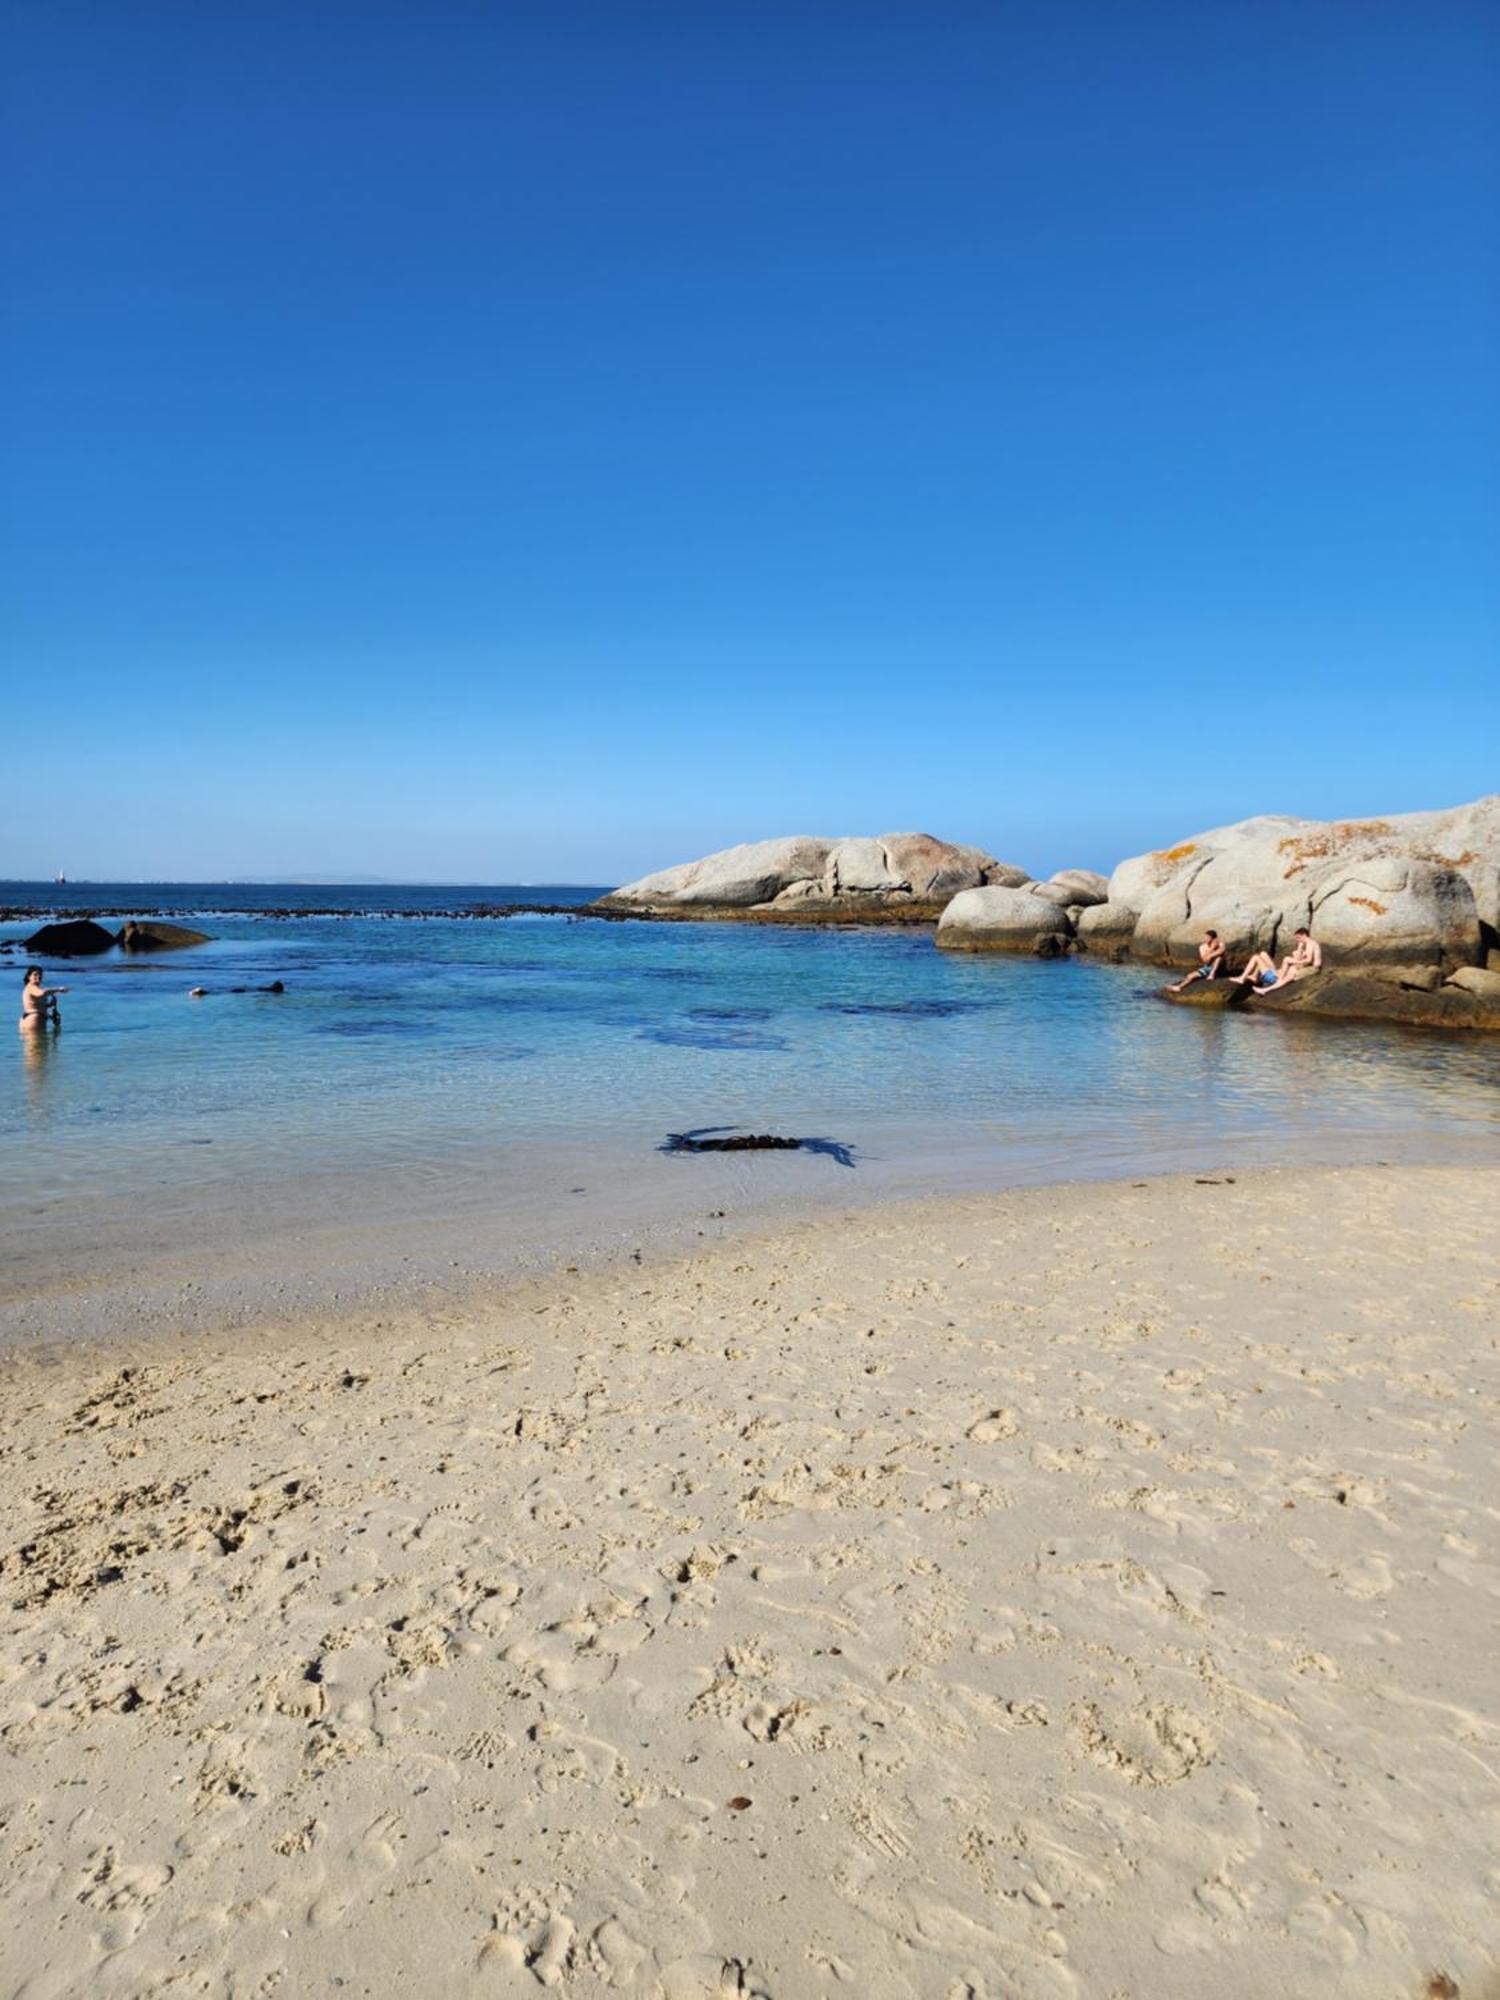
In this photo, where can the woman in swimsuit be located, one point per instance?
(38, 1003)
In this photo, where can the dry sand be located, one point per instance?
(1084, 1592)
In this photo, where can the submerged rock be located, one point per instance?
(1208, 993)
(149, 934)
(75, 937)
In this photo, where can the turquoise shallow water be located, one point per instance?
(419, 1065)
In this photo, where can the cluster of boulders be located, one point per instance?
(1414, 889)
(1407, 909)
(1040, 917)
(81, 937)
(910, 876)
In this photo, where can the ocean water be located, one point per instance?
(446, 1089)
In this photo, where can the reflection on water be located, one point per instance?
(429, 1056)
(37, 1050)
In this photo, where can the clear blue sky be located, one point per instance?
(509, 441)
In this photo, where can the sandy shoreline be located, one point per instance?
(1090, 1590)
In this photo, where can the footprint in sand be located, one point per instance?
(568, 1756)
(1147, 1746)
(614, 1956)
(706, 1976)
(1369, 1577)
(994, 1426)
(352, 1875)
(122, 1892)
(531, 1932)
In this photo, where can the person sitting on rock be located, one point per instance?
(1210, 962)
(1259, 970)
(1306, 955)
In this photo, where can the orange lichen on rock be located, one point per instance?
(1301, 848)
(1176, 853)
(1369, 903)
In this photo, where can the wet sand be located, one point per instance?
(1071, 1592)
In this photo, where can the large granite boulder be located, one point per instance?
(1003, 919)
(805, 874)
(736, 878)
(1415, 887)
(152, 935)
(1106, 929)
(75, 937)
(1074, 888)
(1398, 911)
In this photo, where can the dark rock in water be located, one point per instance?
(150, 935)
(1050, 945)
(1379, 993)
(1355, 996)
(202, 992)
(1208, 993)
(77, 937)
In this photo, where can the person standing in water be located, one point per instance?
(38, 1003)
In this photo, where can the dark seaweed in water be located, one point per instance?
(741, 1142)
(378, 1027)
(724, 1139)
(921, 1010)
(729, 1013)
(684, 1035)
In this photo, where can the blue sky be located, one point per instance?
(509, 441)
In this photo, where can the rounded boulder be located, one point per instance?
(997, 919)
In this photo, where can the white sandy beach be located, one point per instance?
(1080, 1592)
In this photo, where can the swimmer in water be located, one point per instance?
(38, 1003)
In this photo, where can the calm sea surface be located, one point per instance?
(509, 1082)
